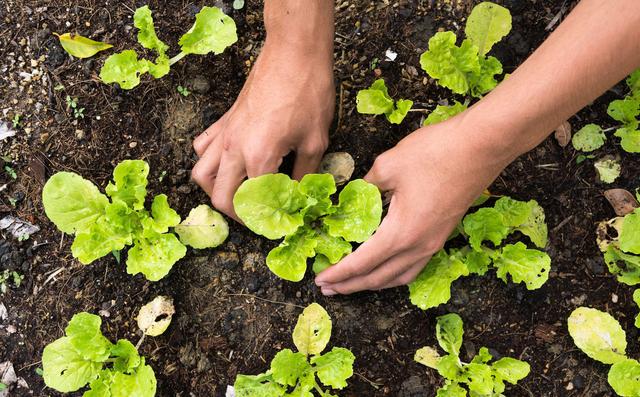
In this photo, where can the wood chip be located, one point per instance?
(622, 201)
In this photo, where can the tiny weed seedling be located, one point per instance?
(212, 32)
(601, 337)
(432, 287)
(72, 104)
(86, 357)
(478, 377)
(11, 172)
(16, 120)
(102, 226)
(297, 373)
(10, 276)
(183, 91)
(276, 206)
(619, 240)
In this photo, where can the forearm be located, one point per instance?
(594, 48)
(306, 26)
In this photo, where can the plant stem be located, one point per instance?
(140, 341)
(611, 128)
(177, 58)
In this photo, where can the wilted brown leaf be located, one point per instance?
(563, 134)
(622, 201)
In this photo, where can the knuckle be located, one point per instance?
(197, 173)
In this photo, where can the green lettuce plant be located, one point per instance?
(101, 226)
(376, 100)
(297, 373)
(619, 240)
(276, 206)
(601, 337)
(479, 378)
(212, 32)
(626, 111)
(466, 69)
(86, 357)
(531, 266)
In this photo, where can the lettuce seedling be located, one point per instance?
(212, 32)
(445, 112)
(466, 69)
(376, 100)
(294, 373)
(101, 226)
(432, 287)
(276, 206)
(84, 356)
(601, 337)
(619, 240)
(480, 378)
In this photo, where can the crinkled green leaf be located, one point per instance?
(526, 217)
(629, 237)
(313, 330)
(511, 370)
(427, 356)
(483, 356)
(400, 111)
(633, 82)
(358, 212)
(608, 170)
(155, 256)
(625, 111)
(442, 113)
(477, 262)
(523, 265)
(333, 248)
(163, 215)
(449, 332)
(126, 356)
(320, 264)
(257, 386)
(123, 219)
(318, 188)
(630, 139)
(101, 386)
(451, 390)
(270, 205)
(478, 378)
(484, 81)
(213, 31)
(450, 64)
(99, 240)
(598, 335)
(588, 138)
(81, 47)
(130, 177)
(147, 37)
(335, 367)
(86, 337)
(287, 367)
(124, 68)
(450, 367)
(141, 383)
(64, 369)
(636, 299)
(624, 378)
(487, 24)
(432, 287)
(203, 228)
(72, 203)
(485, 224)
(289, 259)
(374, 100)
(625, 266)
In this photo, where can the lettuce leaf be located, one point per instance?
(155, 256)
(147, 37)
(588, 138)
(287, 367)
(213, 31)
(625, 266)
(485, 224)
(289, 260)
(523, 265)
(432, 287)
(449, 333)
(130, 177)
(376, 100)
(487, 24)
(442, 113)
(313, 330)
(624, 378)
(598, 335)
(124, 68)
(66, 370)
(629, 237)
(203, 228)
(335, 367)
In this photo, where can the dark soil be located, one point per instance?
(232, 313)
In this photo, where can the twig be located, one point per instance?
(266, 300)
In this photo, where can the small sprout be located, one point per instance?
(72, 104)
(39, 371)
(23, 237)
(582, 157)
(183, 91)
(11, 172)
(154, 317)
(17, 278)
(59, 87)
(162, 175)
(374, 63)
(13, 201)
(16, 120)
(81, 47)
(376, 100)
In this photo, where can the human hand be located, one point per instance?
(434, 175)
(286, 105)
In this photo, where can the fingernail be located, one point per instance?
(328, 292)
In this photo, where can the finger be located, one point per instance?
(260, 165)
(205, 170)
(384, 274)
(363, 260)
(230, 176)
(307, 162)
(408, 276)
(202, 141)
(380, 172)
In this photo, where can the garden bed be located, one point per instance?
(232, 313)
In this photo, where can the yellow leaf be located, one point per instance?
(81, 47)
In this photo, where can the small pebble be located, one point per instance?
(614, 298)
(133, 144)
(79, 135)
(569, 386)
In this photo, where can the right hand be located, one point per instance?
(286, 104)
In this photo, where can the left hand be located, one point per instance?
(434, 174)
